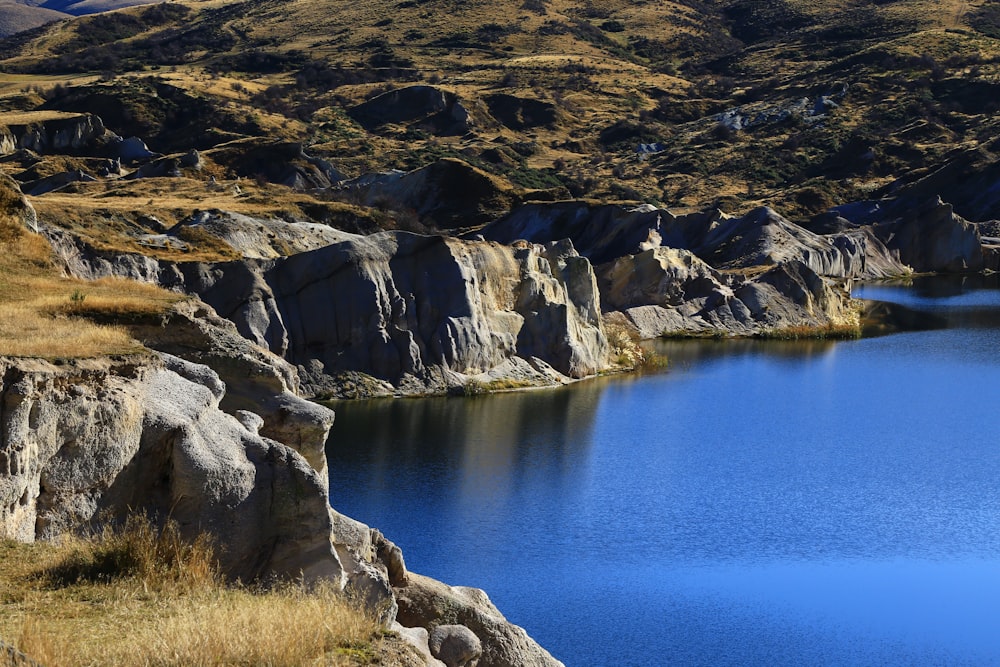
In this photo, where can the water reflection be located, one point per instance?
(479, 455)
(686, 353)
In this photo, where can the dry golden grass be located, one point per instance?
(43, 314)
(27, 332)
(145, 597)
(30, 117)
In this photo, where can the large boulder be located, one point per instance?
(430, 604)
(455, 645)
(105, 438)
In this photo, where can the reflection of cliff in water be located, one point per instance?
(683, 353)
(481, 446)
(942, 286)
(965, 301)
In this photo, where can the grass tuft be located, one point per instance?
(828, 332)
(628, 353)
(159, 559)
(144, 596)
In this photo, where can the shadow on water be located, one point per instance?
(931, 302)
(476, 451)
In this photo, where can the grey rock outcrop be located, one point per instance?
(455, 645)
(665, 291)
(930, 237)
(109, 438)
(429, 604)
(67, 133)
(264, 238)
(423, 313)
(398, 313)
(762, 237)
(130, 150)
(449, 193)
(56, 182)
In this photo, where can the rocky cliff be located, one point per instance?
(95, 440)
(109, 437)
(664, 291)
(46, 132)
(397, 312)
(761, 237)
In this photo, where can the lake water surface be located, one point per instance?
(759, 503)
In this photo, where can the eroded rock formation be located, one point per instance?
(68, 133)
(96, 440)
(760, 238)
(109, 437)
(664, 291)
(411, 313)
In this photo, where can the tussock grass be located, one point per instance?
(828, 332)
(142, 596)
(627, 352)
(25, 331)
(43, 314)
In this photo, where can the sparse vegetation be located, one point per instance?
(43, 314)
(627, 352)
(140, 595)
(828, 332)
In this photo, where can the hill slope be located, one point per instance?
(736, 102)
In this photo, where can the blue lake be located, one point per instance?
(758, 503)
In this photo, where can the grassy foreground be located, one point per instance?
(145, 597)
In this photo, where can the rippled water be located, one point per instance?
(760, 503)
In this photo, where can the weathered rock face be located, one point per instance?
(148, 434)
(68, 135)
(431, 605)
(448, 193)
(264, 238)
(414, 313)
(665, 291)
(762, 237)
(419, 311)
(932, 238)
(599, 232)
